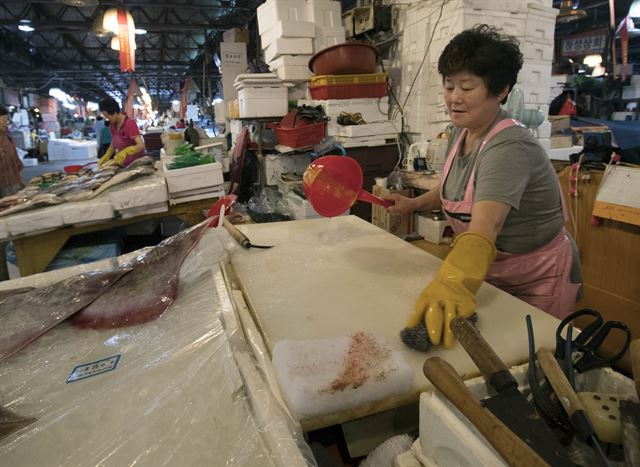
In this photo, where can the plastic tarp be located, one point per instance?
(192, 388)
(626, 133)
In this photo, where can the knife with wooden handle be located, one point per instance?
(512, 449)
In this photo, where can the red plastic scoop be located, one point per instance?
(333, 183)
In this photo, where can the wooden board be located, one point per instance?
(618, 196)
(334, 277)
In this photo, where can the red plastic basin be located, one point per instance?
(345, 59)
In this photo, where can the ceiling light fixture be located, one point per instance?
(25, 25)
(569, 11)
(80, 3)
(140, 31)
(634, 10)
(592, 60)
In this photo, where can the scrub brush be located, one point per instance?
(417, 337)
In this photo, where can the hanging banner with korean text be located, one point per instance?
(126, 36)
(586, 43)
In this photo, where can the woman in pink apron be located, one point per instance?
(127, 144)
(498, 191)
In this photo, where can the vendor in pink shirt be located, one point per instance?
(127, 144)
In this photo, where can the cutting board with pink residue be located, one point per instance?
(331, 278)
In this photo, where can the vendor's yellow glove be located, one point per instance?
(452, 292)
(105, 158)
(121, 156)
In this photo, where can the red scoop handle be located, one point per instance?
(364, 195)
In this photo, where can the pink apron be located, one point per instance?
(121, 141)
(541, 277)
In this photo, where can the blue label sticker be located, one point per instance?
(87, 370)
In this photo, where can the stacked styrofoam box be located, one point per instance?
(326, 15)
(292, 30)
(261, 95)
(276, 165)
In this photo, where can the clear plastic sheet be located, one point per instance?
(187, 389)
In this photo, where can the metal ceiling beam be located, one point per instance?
(152, 4)
(82, 26)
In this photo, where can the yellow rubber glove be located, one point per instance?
(121, 156)
(452, 292)
(105, 158)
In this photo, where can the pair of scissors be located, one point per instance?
(584, 348)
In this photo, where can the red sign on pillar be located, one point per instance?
(127, 54)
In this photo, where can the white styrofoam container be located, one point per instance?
(145, 191)
(299, 208)
(536, 74)
(294, 73)
(562, 154)
(540, 25)
(516, 6)
(275, 164)
(535, 51)
(287, 29)
(373, 109)
(623, 116)
(286, 46)
(290, 60)
(328, 37)
(448, 438)
(87, 211)
(383, 129)
(629, 92)
(430, 229)
(272, 11)
(544, 130)
(192, 178)
(62, 149)
(37, 220)
(263, 102)
(535, 94)
(324, 13)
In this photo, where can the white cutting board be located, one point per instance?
(334, 277)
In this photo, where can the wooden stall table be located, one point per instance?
(35, 252)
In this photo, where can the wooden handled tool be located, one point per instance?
(512, 449)
(239, 237)
(569, 400)
(510, 406)
(493, 369)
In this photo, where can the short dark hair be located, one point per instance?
(109, 105)
(483, 51)
(3, 110)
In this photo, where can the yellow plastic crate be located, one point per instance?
(332, 80)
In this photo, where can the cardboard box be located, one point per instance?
(561, 141)
(235, 35)
(559, 123)
(399, 225)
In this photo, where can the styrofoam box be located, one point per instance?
(300, 208)
(324, 13)
(192, 178)
(382, 129)
(87, 211)
(285, 46)
(516, 6)
(287, 29)
(34, 221)
(536, 74)
(293, 73)
(328, 37)
(373, 109)
(290, 60)
(275, 164)
(272, 11)
(145, 191)
(629, 92)
(535, 94)
(263, 102)
(537, 52)
(562, 154)
(61, 149)
(540, 24)
(448, 438)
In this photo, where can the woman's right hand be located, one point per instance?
(401, 204)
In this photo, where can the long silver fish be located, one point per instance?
(25, 317)
(122, 177)
(37, 201)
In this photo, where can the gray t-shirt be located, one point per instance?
(515, 170)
